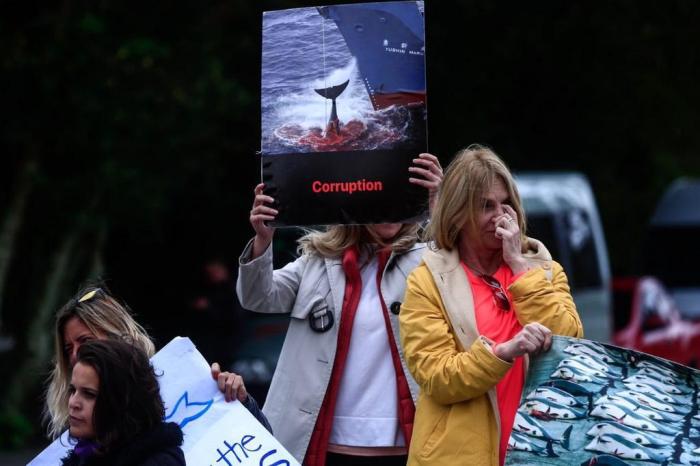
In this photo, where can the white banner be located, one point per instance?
(216, 433)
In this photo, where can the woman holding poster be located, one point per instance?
(482, 300)
(341, 393)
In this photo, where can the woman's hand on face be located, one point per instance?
(427, 166)
(532, 339)
(259, 214)
(508, 231)
(230, 384)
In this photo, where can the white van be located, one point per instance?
(562, 213)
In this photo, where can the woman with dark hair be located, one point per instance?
(116, 412)
(92, 314)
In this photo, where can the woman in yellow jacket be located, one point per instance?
(484, 298)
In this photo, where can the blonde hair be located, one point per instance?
(337, 238)
(104, 316)
(470, 175)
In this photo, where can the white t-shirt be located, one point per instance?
(366, 411)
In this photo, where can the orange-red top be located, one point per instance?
(500, 326)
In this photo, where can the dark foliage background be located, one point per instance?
(128, 135)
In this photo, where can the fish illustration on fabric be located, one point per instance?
(587, 369)
(653, 402)
(601, 354)
(596, 364)
(575, 389)
(666, 387)
(554, 394)
(658, 376)
(623, 448)
(647, 366)
(576, 375)
(630, 418)
(636, 407)
(596, 404)
(524, 443)
(652, 391)
(545, 409)
(530, 426)
(630, 433)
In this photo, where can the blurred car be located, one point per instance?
(648, 320)
(672, 253)
(259, 350)
(562, 213)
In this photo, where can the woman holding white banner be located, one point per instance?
(341, 393)
(94, 314)
(483, 299)
(116, 412)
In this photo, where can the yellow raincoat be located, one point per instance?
(457, 419)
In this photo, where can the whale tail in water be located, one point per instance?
(332, 93)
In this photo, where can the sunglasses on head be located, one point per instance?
(498, 292)
(89, 295)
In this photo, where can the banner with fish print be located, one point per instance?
(343, 112)
(587, 403)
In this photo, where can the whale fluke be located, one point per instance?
(332, 93)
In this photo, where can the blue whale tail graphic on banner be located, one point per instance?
(185, 411)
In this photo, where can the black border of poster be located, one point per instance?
(292, 176)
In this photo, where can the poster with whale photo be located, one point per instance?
(586, 403)
(343, 110)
